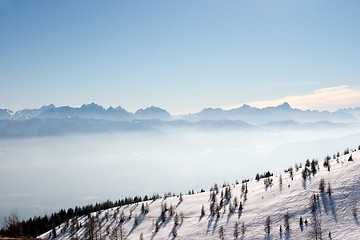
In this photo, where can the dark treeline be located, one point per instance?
(39, 225)
(264, 175)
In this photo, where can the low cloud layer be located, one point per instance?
(331, 98)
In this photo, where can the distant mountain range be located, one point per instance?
(283, 112)
(86, 111)
(245, 113)
(93, 118)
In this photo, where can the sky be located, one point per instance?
(180, 55)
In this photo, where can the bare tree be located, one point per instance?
(354, 211)
(221, 233)
(315, 231)
(174, 231)
(267, 225)
(181, 198)
(121, 233)
(236, 230)
(202, 212)
(12, 225)
(286, 222)
(90, 228)
(176, 219)
(243, 229)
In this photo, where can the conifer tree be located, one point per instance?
(291, 173)
(53, 232)
(240, 206)
(142, 208)
(202, 213)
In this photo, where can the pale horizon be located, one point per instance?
(324, 99)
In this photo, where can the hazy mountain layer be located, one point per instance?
(92, 118)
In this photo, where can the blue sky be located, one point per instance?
(179, 55)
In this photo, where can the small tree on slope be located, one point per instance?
(267, 225)
(221, 233)
(236, 230)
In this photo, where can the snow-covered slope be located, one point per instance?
(334, 213)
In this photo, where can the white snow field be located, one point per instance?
(335, 214)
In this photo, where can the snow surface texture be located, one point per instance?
(336, 213)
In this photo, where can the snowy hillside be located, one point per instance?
(333, 212)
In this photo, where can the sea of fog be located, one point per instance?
(42, 175)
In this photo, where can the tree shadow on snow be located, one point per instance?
(304, 184)
(333, 209)
(287, 235)
(267, 237)
(201, 217)
(154, 226)
(153, 235)
(324, 202)
(215, 225)
(163, 224)
(179, 202)
(357, 220)
(239, 214)
(211, 219)
(138, 220)
(229, 216)
(171, 235)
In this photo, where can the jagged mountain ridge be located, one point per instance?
(283, 112)
(86, 111)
